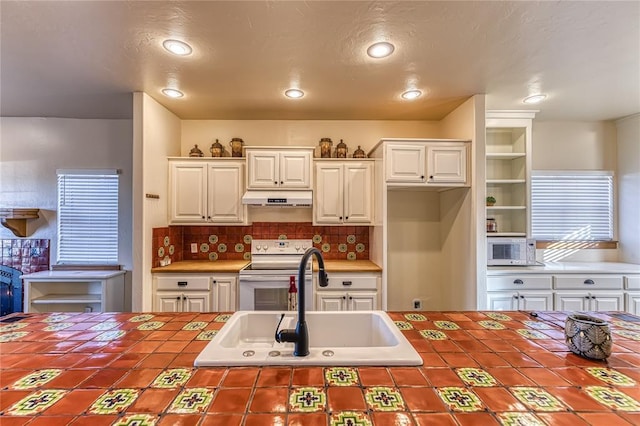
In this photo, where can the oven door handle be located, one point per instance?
(272, 278)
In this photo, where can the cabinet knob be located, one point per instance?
(515, 296)
(521, 297)
(184, 297)
(178, 298)
(203, 217)
(431, 177)
(350, 298)
(346, 218)
(344, 297)
(340, 217)
(281, 183)
(275, 183)
(593, 297)
(518, 281)
(589, 282)
(587, 297)
(422, 177)
(209, 217)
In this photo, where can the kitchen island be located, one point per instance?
(480, 368)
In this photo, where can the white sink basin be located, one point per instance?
(335, 338)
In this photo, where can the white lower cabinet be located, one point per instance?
(632, 294)
(591, 301)
(352, 291)
(188, 301)
(194, 292)
(224, 293)
(514, 301)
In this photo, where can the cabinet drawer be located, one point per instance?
(350, 282)
(586, 282)
(516, 282)
(632, 283)
(184, 283)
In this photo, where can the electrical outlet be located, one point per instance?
(417, 304)
(194, 247)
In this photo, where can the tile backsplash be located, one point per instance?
(234, 242)
(25, 255)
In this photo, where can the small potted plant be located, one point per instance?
(490, 200)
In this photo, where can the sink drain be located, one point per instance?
(248, 353)
(327, 353)
(274, 353)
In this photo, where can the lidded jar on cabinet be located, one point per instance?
(195, 152)
(359, 153)
(325, 147)
(236, 147)
(341, 150)
(216, 149)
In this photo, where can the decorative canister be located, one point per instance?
(325, 147)
(216, 149)
(359, 153)
(341, 150)
(588, 336)
(195, 152)
(236, 147)
(492, 225)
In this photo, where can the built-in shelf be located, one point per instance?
(505, 155)
(505, 181)
(506, 234)
(16, 219)
(67, 298)
(506, 207)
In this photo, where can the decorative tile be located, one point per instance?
(351, 239)
(151, 325)
(491, 325)
(537, 399)
(446, 325)
(247, 239)
(191, 401)
(204, 248)
(360, 247)
(476, 377)
(317, 239)
(633, 335)
(403, 325)
(381, 398)
(110, 335)
(14, 335)
(538, 325)
(36, 379)
(415, 317)
(611, 376)
(349, 418)
(247, 255)
(57, 326)
(161, 252)
(626, 324)
(107, 325)
(342, 248)
(213, 256)
(460, 399)
(239, 247)
(36, 402)
(12, 327)
(498, 316)
(141, 318)
(172, 249)
(326, 247)
(222, 318)
(195, 325)
(531, 334)
(172, 378)
(57, 317)
(519, 419)
(351, 256)
(166, 241)
(341, 376)
(136, 420)
(222, 248)
(433, 334)
(307, 400)
(612, 398)
(213, 239)
(114, 401)
(206, 335)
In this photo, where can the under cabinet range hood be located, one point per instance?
(278, 198)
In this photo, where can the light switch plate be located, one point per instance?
(194, 247)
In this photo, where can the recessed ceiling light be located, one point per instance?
(177, 47)
(172, 93)
(380, 50)
(534, 99)
(411, 94)
(294, 93)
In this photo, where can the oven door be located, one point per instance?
(269, 293)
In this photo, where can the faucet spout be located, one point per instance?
(300, 336)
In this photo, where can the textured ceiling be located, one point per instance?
(83, 59)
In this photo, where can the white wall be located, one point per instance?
(156, 137)
(628, 130)
(31, 149)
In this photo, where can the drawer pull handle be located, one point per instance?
(587, 297)
(518, 281)
(346, 283)
(182, 283)
(515, 296)
(589, 282)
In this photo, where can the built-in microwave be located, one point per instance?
(511, 251)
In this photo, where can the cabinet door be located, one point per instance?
(502, 301)
(606, 302)
(362, 301)
(632, 304)
(536, 301)
(331, 301)
(447, 164)
(187, 192)
(328, 193)
(571, 302)
(196, 302)
(405, 163)
(262, 169)
(295, 169)
(168, 302)
(358, 193)
(225, 189)
(224, 294)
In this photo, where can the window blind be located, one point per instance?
(572, 206)
(88, 217)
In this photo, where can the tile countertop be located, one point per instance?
(568, 268)
(234, 266)
(480, 368)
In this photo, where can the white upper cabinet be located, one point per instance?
(343, 192)
(426, 163)
(206, 192)
(269, 168)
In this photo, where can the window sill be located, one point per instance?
(575, 245)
